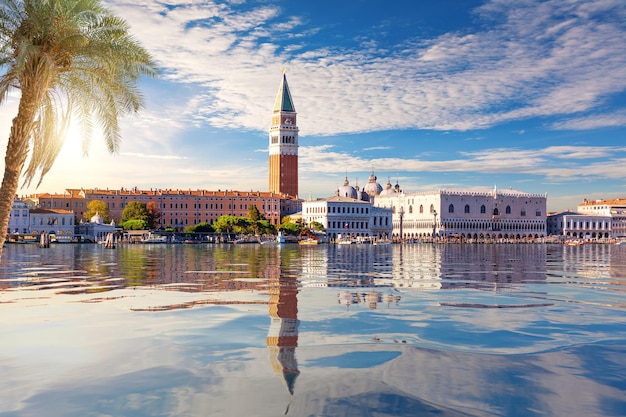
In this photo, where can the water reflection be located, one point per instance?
(450, 330)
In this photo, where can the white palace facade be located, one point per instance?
(471, 213)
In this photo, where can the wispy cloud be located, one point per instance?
(532, 58)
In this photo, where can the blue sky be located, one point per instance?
(431, 94)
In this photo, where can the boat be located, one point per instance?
(280, 239)
(308, 238)
(153, 238)
(247, 239)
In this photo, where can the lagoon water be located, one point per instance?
(347, 330)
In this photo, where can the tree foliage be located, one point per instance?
(203, 227)
(66, 57)
(134, 224)
(154, 214)
(317, 226)
(97, 207)
(135, 210)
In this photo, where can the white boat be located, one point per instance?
(152, 238)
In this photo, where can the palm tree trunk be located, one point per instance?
(17, 151)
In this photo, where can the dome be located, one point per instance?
(372, 187)
(388, 191)
(346, 190)
(96, 218)
(361, 194)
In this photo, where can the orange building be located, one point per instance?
(283, 146)
(178, 208)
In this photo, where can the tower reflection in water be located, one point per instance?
(282, 338)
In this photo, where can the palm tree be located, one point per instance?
(67, 58)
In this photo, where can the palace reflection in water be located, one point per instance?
(346, 329)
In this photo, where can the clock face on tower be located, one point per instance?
(288, 120)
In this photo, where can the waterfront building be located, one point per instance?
(348, 213)
(95, 230)
(587, 226)
(613, 208)
(471, 213)
(57, 222)
(177, 208)
(19, 219)
(555, 223)
(283, 144)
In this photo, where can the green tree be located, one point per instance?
(225, 224)
(292, 229)
(66, 57)
(203, 227)
(135, 210)
(317, 226)
(254, 214)
(97, 207)
(134, 224)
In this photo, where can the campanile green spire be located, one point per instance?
(283, 98)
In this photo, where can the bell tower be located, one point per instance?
(283, 146)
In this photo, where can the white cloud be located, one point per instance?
(532, 59)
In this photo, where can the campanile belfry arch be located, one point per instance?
(283, 143)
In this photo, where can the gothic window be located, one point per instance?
(410, 209)
(432, 208)
(496, 212)
(467, 208)
(451, 208)
(538, 213)
(421, 208)
(483, 209)
(508, 210)
(523, 213)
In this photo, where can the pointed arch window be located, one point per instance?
(496, 212)
(508, 210)
(467, 208)
(421, 208)
(410, 209)
(483, 209)
(451, 208)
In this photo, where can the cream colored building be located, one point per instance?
(615, 209)
(471, 213)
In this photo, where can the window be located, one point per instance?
(483, 209)
(421, 208)
(538, 213)
(410, 209)
(508, 210)
(523, 213)
(432, 208)
(496, 212)
(467, 208)
(451, 208)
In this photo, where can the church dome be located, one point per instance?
(346, 190)
(361, 194)
(372, 187)
(96, 218)
(388, 191)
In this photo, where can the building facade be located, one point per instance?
(349, 213)
(57, 222)
(19, 219)
(473, 213)
(177, 208)
(615, 209)
(283, 144)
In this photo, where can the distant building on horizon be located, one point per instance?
(593, 219)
